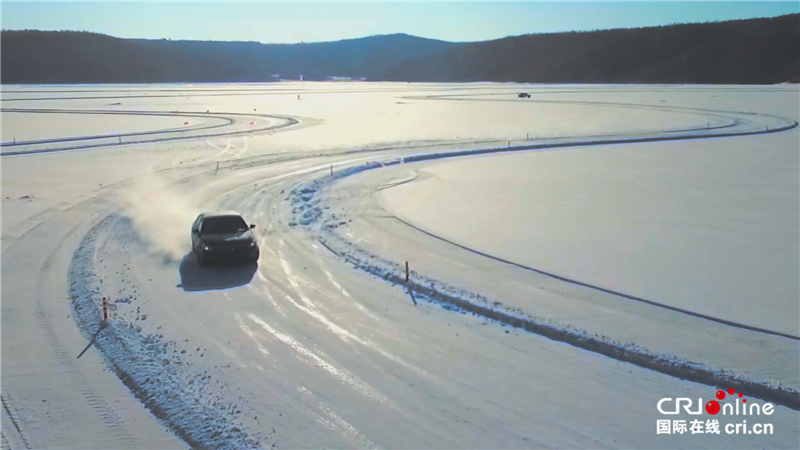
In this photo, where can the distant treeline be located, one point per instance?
(80, 57)
(754, 51)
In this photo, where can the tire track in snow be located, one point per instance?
(344, 292)
(349, 431)
(310, 308)
(341, 374)
(98, 405)
(17, 437)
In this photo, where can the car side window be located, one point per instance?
(197, 223)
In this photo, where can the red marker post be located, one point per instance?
(103, 325)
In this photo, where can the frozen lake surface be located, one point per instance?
(322, 344)
(710, 227)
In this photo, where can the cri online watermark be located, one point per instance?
(670, 406)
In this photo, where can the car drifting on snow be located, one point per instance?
(524, 95)
(218, 237)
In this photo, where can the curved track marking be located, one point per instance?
(113, 113)
(599, 288)
(148, 137)
(580, 142)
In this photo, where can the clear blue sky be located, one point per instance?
(309, 22)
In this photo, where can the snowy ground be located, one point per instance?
(692, 225)
(311, 349)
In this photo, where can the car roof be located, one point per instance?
(221, 214)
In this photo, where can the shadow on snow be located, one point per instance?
(214, 277)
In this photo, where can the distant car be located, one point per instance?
(524, 95)
(223, 237)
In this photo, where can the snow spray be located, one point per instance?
(161, 214)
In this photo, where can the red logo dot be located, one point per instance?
(712, 407)
(744, 400)
(741, 395)
(731, 391)
(720, 394)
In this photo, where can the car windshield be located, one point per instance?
(224, 225)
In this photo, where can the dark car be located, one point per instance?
(218, 237)
(524, 95)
